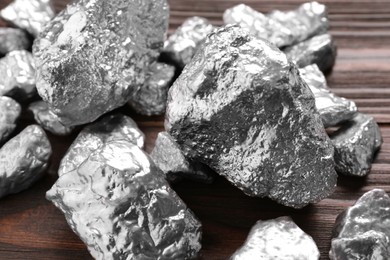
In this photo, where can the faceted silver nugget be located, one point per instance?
(281, 28)
(95, 55)
(17, 75)
(333, 109)
(362, 231)
(31, 15)
(47, 119)
(9, 113)
(94, 136)
(241, 108)
(356, 143)
(12, 39)
(120, 205)
(320, 50)
(23, 160)
(181, 46)
(151, 99)
(277, 238)
(170, 159)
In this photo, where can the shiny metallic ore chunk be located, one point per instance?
(95, 55)
(171, 160)
(281, 28)
(356, 143)
(31, 15)
(23, 160)
(17, 75)
(333, 109)
(183, 43)
(320, 50)
(96, 135)
(12, 39)
(362, 231)
(277, 238)
(47, 119)
(151, 99)
(120, 205)
(241, 108)
(9, 114)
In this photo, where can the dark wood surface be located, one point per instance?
(32, 228)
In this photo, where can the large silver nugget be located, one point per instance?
(12, 39)
(47, 119)
(320, 50)
(307, 20)
(31, 15)
(95, 55)
(333, 109)
(241, 108)
(17, 75)
(181, 46)
(277, 238)
(9, 113)
(118, 202)
(151, 99)
(170, 159)
(356, 143)
(23, 160)
(94, 136)
(362, 231)
(281, 28)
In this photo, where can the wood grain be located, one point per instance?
(32, 228)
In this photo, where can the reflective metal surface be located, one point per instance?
(47, 119)
(356, 143)
(362, 231)
(281, 28)
(12, 39)
(9, 113)
(333, 109)
(96, 135)
(277, 238)
(241, 108)
(17, 75)
(23, 160)
(30, 15)
(119, 203)
(151, 99)
(95, 54)
(181, 46)
(320, 50)
(170, 159)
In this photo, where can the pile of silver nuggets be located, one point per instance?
(247, 100)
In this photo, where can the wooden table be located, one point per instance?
(32, 228)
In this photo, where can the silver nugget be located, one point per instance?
(151, 99)
(118, 202)
(31, 15)
(94, 136)
(356, 143)
(17, 75)
(170, 159)
(281, 28)
(241, 108)
(47, 119)
(362, 231)
(9, 113)
(277, 238)
(23, 160)
(12, 39)
(333, 109)
(181, 46)
(320, 50)
(95, 55)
